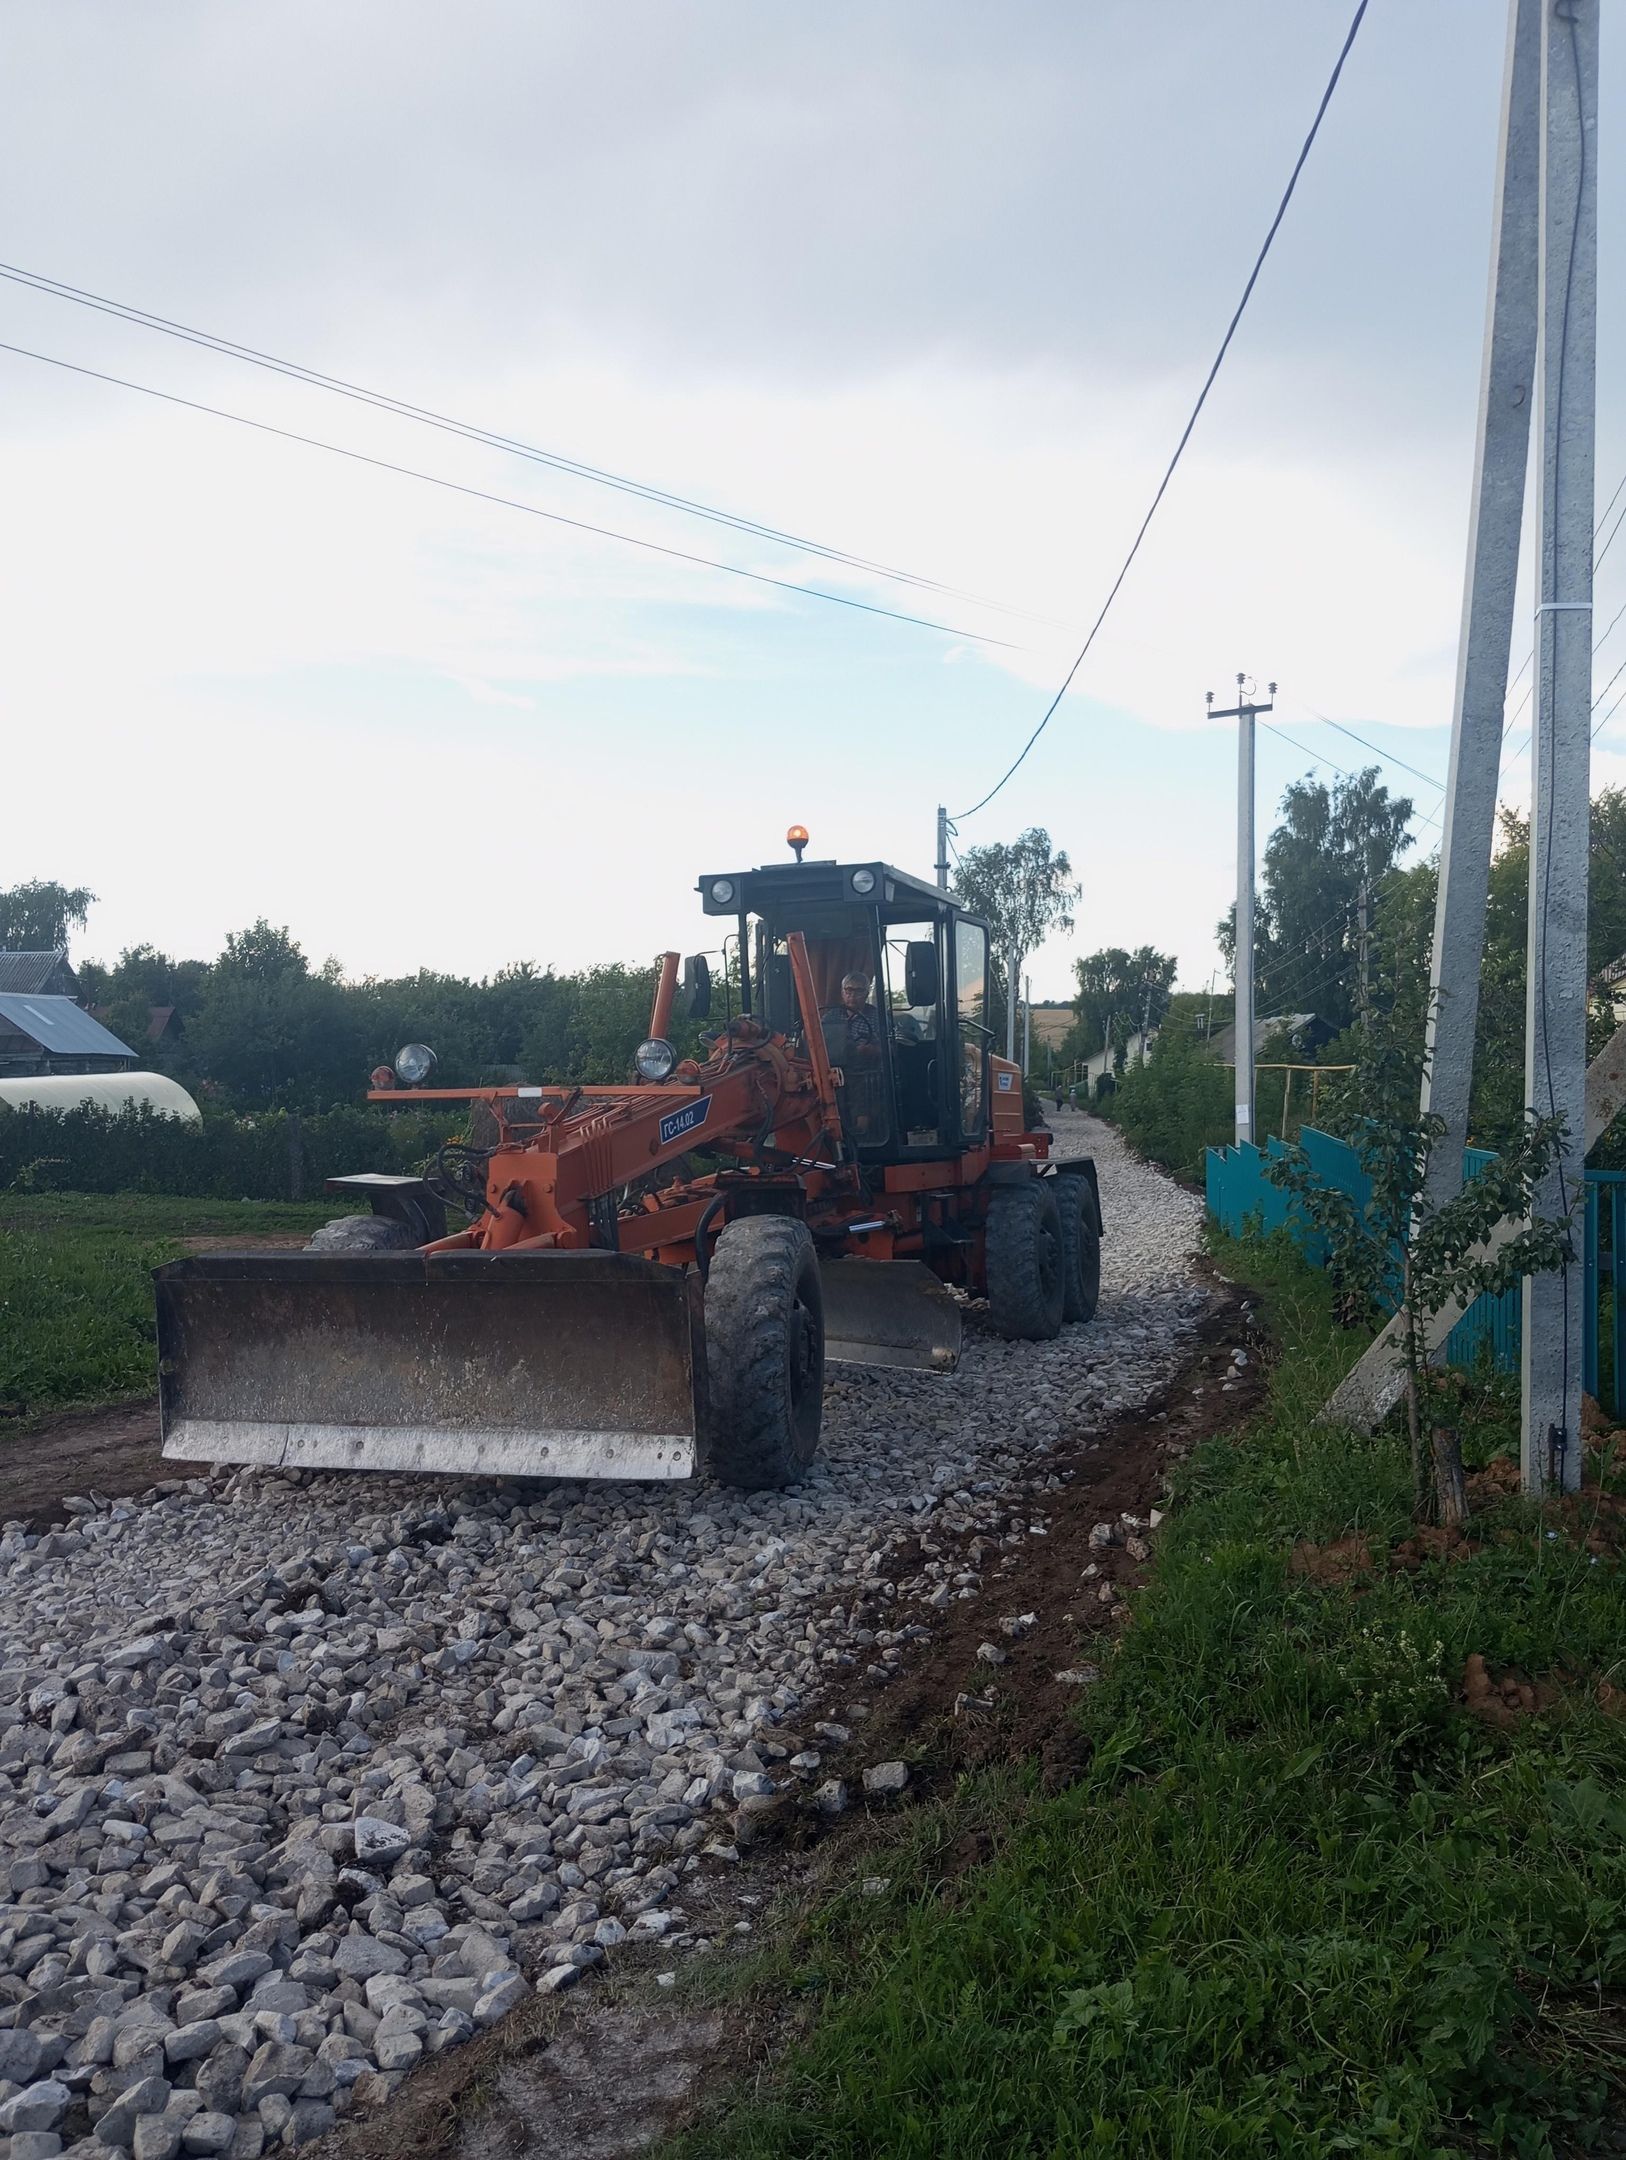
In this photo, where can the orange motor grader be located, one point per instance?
(651, 1276)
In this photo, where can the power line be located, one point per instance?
(1609, 543)
(1522, 747)
(1320, 758)
(1512, 717)
(295, 370)
(1609, 715)
(508, 502)
(1202, 399)
(1387, 756)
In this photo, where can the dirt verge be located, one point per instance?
(113, 1451)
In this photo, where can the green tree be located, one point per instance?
(1403, 924)
(36, 917)
(1498, 1099)
(1025, 890)
(268, 1031)
(1120, 994)
(1180, 1102)
(1331, 844)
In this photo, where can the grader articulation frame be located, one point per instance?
(612, 1308)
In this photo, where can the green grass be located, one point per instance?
(76, 1314)
(1300, 1904)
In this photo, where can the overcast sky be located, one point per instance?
(934, 283)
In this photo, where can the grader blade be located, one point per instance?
(889, 1312)
(545, 1364)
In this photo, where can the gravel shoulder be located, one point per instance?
(306, 1780)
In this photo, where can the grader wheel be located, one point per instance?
(361, 1233)
(1026, 1261)
(764, 1352)
(1081, 1249)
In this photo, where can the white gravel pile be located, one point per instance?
(303, 1778)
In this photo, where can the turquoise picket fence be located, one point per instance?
(1241, 1197)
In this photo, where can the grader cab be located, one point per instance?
(648, 1278)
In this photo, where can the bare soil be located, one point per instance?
(606, 2072)
(113, 1451)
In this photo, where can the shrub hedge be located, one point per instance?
(273, 1155)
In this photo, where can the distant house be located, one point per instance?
(1136, 1050)
(38, 974)
(1304, 1031)
(163, 1022)
(51, 1034)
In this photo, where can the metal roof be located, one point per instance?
(29, 970)
(57, 1023)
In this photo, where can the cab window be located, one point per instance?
(913, 1008)
(971, 1013)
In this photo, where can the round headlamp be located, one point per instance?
(655, 1059)
(863, 881)
(722, 890)
(414, 1062)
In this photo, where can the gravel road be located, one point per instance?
(303, 1778)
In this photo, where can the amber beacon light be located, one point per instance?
(796, 837)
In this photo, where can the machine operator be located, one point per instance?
(852, 1041)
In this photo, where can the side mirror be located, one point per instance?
(922, 979)
(781, 1014)
(697, 986)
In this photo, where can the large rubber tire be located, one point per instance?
(764, 1353)
(1026, 1267)
(1080, 1249)
(362, 1233)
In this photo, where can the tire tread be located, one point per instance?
(760, 1263)
(1016, 1294)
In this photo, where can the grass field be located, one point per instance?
(76, 1321)
(1301, 1902)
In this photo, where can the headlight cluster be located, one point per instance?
(656, 1059)
(414, 1062)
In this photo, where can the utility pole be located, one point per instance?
(1540, 338)
(1555, 1000)
(1027, 1023)
(1012, 974)
(1244, 712)
(1363, 916)
(1208, 1015)
(942, 848)
(1507, 384)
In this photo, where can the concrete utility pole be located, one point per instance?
(1243, 712)
(1507, 382)
(1027, 1023)
(1555, 1002)
(942, 848)
(1363, 917)
(1012, 977)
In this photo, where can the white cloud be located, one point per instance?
(931, 285)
